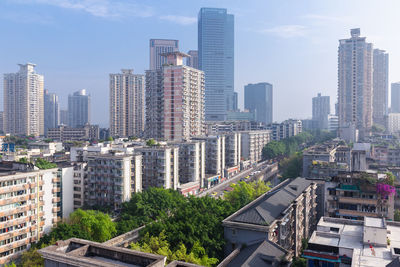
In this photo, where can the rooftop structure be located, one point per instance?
(372, 242)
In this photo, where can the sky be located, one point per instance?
(292, 44)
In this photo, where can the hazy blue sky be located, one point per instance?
(291, 44)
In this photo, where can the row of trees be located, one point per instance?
(181, 228)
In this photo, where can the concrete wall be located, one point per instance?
(236, 236)
(67, 181)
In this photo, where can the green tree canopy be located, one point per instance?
(243, 193)
(44, 164)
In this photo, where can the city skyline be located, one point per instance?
(314, 28)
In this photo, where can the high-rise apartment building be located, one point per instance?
(51, 110)
(258, 99)
(127, 104)
(23, 102)
(380, 86)
(193, 60)
(216, 59)
(321, 108)
(355, 83)
(158, 47)
(78, 108)
(215, 153)
(395, 98)
(174, 100)
(192, 162)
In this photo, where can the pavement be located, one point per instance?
(219, 189)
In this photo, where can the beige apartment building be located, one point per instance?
(127, 102)
(23, 102)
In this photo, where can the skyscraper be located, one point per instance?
(216, 59)
(355, 83)
(23, 102)
(321, 108)
(127, 104)
(380, 86)
(395, 98)
(235, 101)
(64, 117)
(51, 110)
(1, 122)
(78, 109)
(174, 100)
(258, 99)
(158, 47)
(193, 60)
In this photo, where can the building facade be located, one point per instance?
(1, 122)
(252, 143)
(193, 60)
(51, 111)
(258, 98)
(380, 86)
(175, 100)
(159, 47)
(78, 109)
(127, 102)
(112, 179)
(321, 108)
(216, 59)
(395, 98)
(160, 167)
(393, 123)
(355, 83)
(233, 150)
(23, 101)
(215, 153)
(30, 205)
(65, 133)
(192, 162)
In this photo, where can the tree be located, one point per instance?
(243, 193)
(98, 225)
(390, 178)
(292, 166)
(151, 142)
(44, 164)
(110, 139)
(273, 149)
(12, 264)
(23, 160)
(148, 206)
(31, 258)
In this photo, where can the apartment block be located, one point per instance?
(127, 102)
(343, 242)
(393, 123)
(112, 179)
(284, 216)
(321, 108)
(192, 162)
(160, 166)
(175, 99)
(79, 176)
(380, 86)
(354, 195)
(65, 133)
(286, 129)
(215, 153)
(233, 142)
(23, 102)
(252, 143)
(30, 205)
(221, 127)
(355, 83)
(51, 110)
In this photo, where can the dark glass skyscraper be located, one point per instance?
(258, 99)
(216, 59)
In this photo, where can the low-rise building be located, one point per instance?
(353, 195)
(64, 133)
(285, 216)
(160, 166)
(343, 242)
(252, 143)
(112, 179)
(76, 252)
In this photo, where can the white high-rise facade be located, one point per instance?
(355, 83)
(23, 102)
(127, 104)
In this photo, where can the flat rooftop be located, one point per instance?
(79, 252)
(374, 222)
